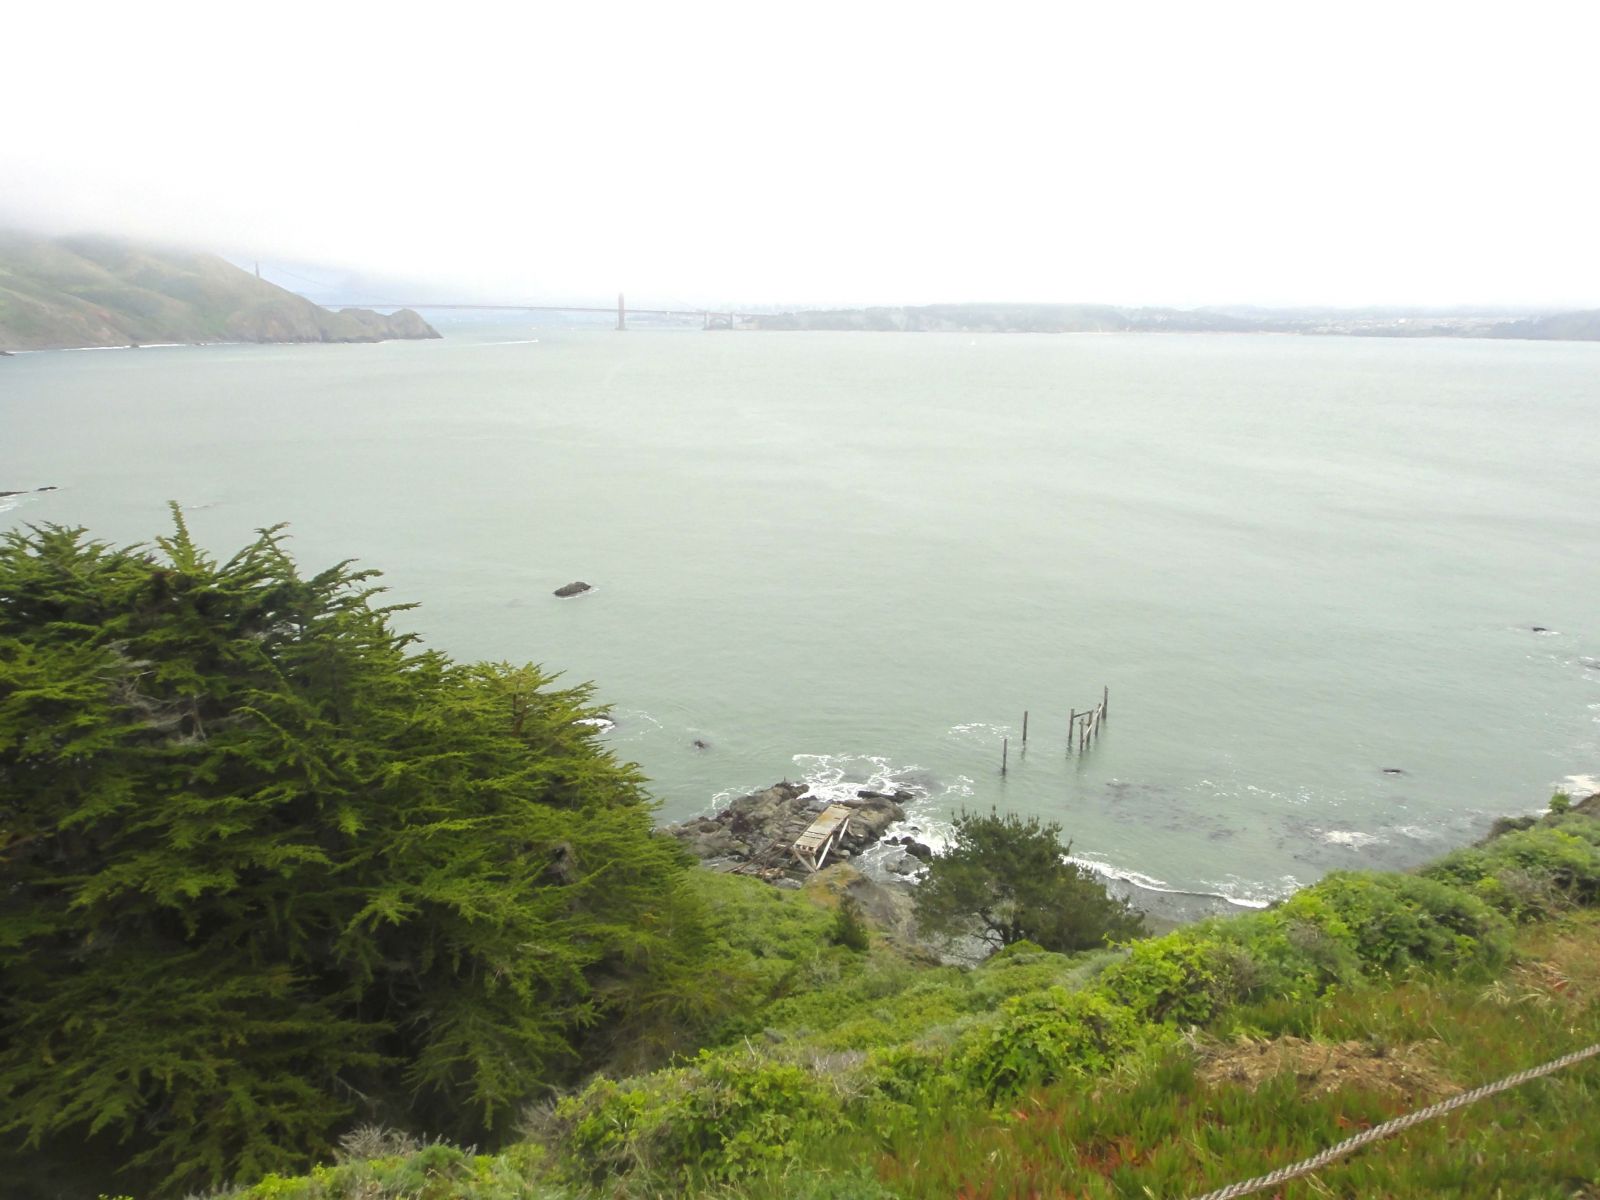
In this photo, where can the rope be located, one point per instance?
(1350, 1145)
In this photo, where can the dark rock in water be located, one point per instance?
(576, 588)
(1540, 629)
(5, 354)
(1393, 771)
(700, 744)
(917, 850)
(10, 493)
(48, 488)
(905, 865)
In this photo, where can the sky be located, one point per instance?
(891, 153)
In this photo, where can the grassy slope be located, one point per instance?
(864, 1075)
(99, 292)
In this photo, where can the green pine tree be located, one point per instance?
(1008, 880)
(267, 868)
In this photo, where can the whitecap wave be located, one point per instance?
(1248, 893)
(1237, 892)
(1352, 839)
(1579, 786)
(981, 733)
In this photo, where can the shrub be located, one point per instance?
(724, 1119)
(1398, 920)
(849, 930)
(1524, 872)
(1011, 878)
(1045, 1036)
(1179, 979)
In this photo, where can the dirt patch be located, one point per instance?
(1323, 1067)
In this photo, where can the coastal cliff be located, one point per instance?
(89, 291)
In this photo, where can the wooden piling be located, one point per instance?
(1072, 728)
(1005, 749)
(1105, 700)
(1024, 727)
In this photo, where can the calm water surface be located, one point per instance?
(858, 559)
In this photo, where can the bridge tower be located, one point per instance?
(622, 313)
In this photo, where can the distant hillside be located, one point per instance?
(1569, 327)
(1012, 318)
(1103, 318)
(92, 291)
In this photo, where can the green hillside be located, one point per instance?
(1166, 1068)
(93, 291)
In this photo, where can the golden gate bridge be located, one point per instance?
(710, 318)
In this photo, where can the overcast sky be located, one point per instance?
(1184, 153)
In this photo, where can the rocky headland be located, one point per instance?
(59, 293)
(754, 834)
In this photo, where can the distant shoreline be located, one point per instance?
(1102, 318)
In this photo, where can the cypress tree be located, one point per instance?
(267, 868)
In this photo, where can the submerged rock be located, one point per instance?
(576, 588)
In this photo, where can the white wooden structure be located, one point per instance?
(822, 837)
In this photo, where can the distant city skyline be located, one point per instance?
(1240, 153)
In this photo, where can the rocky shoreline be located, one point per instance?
(754, 834)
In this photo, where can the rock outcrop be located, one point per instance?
(576, 588)
(753, 834)
(94, 291)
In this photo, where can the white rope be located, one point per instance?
(1350, 1145)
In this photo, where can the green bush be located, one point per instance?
(1182, 978)
(1045, 1036)
(1296, 950)
(434, 1172)
(849, 930)
(1400, 920)
(724, 1119)
(1530, 872)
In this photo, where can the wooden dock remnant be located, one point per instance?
(822, 837)
(1084, 727)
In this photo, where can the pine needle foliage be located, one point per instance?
(1007, 879)
(268, 870)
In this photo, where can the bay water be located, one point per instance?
(857, 559)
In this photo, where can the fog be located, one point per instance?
(854, 153)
